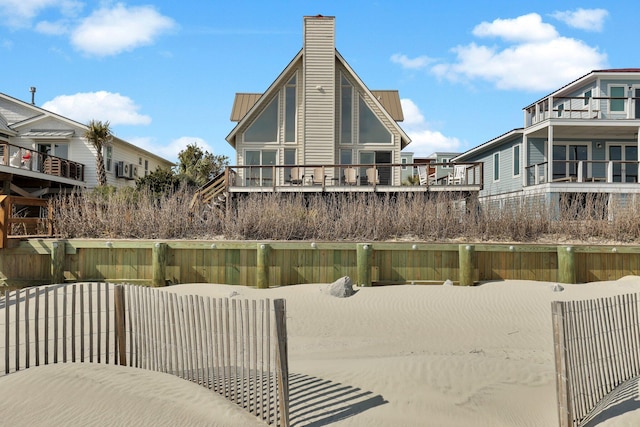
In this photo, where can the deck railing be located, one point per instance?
(321, 177)
(24, 158)
(581, 107)
(24, 217)
(584, 171)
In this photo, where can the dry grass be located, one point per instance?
(351, 217)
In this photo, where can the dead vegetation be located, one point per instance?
(345, 217)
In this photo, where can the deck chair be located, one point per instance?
(318, 176)
(297, 176)
(16, 160)
(459, 175)
(423, 175)
(373, 177)
(350, 176)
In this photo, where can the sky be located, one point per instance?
(164, 73)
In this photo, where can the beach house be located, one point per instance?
(44, 153)
(577, 142)
(318, 127)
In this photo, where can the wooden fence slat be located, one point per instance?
(267, 334)
(106, 326)
(46, 325)
(27, 316)
(65, 313)
(90, 305)
(6, 331)
(73, 322)
(227, 351)
(282, 360)
(564, 413)
(16, 307)
(119, 306)
(55, 325)
(81, 296)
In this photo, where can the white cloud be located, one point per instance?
(411, 63)
(584, 19)
(109, 31)
(102, 105)
(524, 62)
(171, 150)
(51, 28)
(424, 141)
(20, 13)
(523, 28)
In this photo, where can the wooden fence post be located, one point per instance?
(119, 319)
(159, 264)
(364, 260)
(562, 390)
(465, 264)
(57, 261)
(566, 264)
(5, 208)
(262, 266)
(282, 360)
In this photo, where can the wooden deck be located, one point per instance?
(24, 162)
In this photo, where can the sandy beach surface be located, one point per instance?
(387, 356)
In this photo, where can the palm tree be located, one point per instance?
(99, 134)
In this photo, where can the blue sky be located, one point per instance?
(164, 73)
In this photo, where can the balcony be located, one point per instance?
(353, 178)
(584, 172)
(25, 160)
(583, 108)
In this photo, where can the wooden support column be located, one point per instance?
(465, 265)
(566, 264)
(5, 208)
(159, 264)
(262, 266)
(57, 261)
(364, 260)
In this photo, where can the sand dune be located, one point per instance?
(387, 356)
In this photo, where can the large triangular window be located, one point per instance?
(265, 127)
(371, 130)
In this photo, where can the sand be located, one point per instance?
(387, 356)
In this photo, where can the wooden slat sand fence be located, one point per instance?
(597, 345)
(237, 348)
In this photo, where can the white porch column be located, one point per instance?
(550, 154)
(525, 159)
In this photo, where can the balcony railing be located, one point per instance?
(27, 159)
(584, 171)
(581, 107)
(356, 176)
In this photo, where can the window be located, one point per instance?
(496, 166)
(290, 111)
(371, 130)
(404, 163)
(146, 167)
(587, 97)
(346, 157)
(108, 156)
(445, 163)
(265, 127)
(560, 110)
(516, 160)
(260, 175)
(139, 161)
(346, 110)
(289, 159)
(617, 98)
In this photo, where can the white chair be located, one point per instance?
(423, 175)
(318, 176)
(350, 176)
(297, 176)
(459, 175)
(373, 177)
(16, 160)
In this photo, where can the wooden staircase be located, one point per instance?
(213, 193)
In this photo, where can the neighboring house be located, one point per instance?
(442, 166)
(407, 170)
(317, 113)
(42, 152)
(581, 139)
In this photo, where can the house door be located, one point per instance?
(260, 175)
(624, 160)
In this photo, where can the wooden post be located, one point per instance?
(262, 266)
(562, 382)
(465, 265)
(566, 264)
(159, 264)
(119, 319)
(364, 260)
(5, 208)
(57, 261)
(282, 360)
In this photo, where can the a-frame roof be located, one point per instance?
(245, 104)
